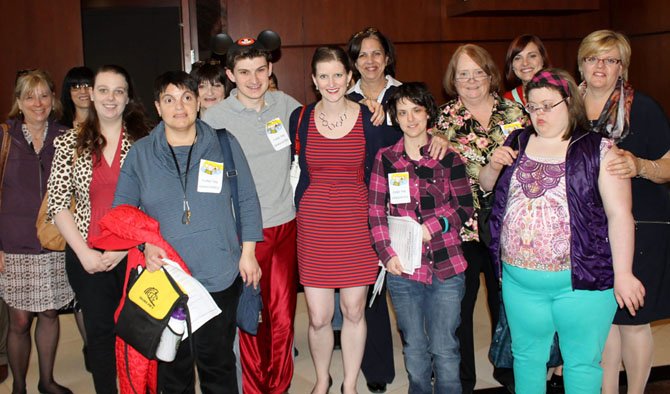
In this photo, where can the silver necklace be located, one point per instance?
(333, 125)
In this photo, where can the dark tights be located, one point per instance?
(47, 332)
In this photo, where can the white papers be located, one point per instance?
(406, 240)
(377, 288)
(201, 306)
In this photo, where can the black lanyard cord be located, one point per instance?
(186, 216)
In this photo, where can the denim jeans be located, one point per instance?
(428, 316)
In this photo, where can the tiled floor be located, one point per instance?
(70, 368)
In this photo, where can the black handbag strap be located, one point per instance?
(231, 174)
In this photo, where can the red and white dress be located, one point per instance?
(334, 244)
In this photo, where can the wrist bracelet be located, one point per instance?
(445, 224)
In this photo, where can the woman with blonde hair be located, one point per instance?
(640, 129)
(32, 280)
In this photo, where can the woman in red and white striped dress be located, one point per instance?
(338, 144)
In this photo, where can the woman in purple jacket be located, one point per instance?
(32, 279)
(562, 228)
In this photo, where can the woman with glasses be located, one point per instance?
(526, 56)
(562, 237)
(76, 96)
(476, 122)
(32, 280)
(76, 99)
(640, 129)
(86, 166)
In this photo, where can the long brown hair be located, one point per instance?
(135, 122)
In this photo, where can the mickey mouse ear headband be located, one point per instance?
(267, 40)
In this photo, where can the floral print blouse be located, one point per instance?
(475, 143)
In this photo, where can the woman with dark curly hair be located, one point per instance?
(86, 166)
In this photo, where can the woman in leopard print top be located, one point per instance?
(86, 166)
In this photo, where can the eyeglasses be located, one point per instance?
(610, 61)
(531, 108)
(79, 86)
(477, 75)
(22, 73)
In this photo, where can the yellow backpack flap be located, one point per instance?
(155, 292)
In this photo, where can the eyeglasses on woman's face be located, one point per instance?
(477, 75)
(609, 61)
(79, 86)
(545, 107)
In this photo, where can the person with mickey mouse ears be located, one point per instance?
(258, 118)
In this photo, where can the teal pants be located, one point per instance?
(539, 303)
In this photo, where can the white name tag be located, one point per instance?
(277, 134)
(210, 176)
(399, 187)
(510, 127)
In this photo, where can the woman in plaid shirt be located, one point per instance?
(436, 195)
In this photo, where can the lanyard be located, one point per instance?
(186, 216)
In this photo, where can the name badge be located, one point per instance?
(210, 176)
(277, 134)
(399, 187)
(510, 127)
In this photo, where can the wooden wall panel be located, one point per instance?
(38, 34)
(505, 25)
(640, 17)
(648, 27)
(650, 66)
(424, 36)
(292, 71)
(247, 18)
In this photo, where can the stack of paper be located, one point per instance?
(406, 240)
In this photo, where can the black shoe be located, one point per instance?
(296, 353)
(3, 372)
(58, 389)
(337, 342)
(375, 387)
(505, 376)
(84, 351)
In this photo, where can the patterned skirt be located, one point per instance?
(35, 282)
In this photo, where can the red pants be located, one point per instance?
(267, 358)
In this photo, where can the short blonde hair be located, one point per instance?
(601, 41)
(483, 59)
(28, 81)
